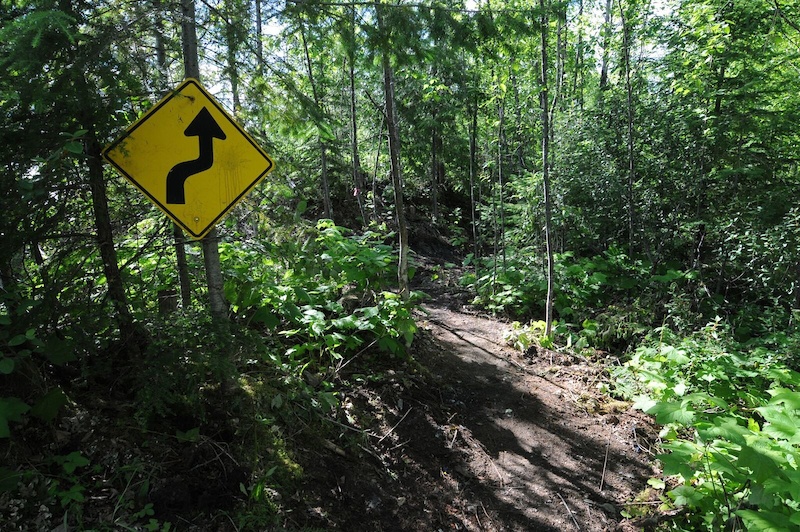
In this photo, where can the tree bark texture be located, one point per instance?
(394, 156)
(548, 202)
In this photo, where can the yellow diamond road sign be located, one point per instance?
(190, 158)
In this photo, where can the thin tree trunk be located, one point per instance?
(358, 173)
(394, 156)
(130, 337)
(326, 191)
(548, 202)
(435, 142)
(501, 145)
(214, 280)
(626, 55)
(182, 265)
(375, 173)
(259, 43)
(473, 163)
(233, 69)
(606, 44)
(577, 75)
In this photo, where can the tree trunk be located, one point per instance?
(326, 191)
(473, 164)
(606, 44)
(358, 173)
(501, 145)
(129, 335)
(577, 75)
(626, 55)
(180, 250)
(259, 43)
(435, 144)
(216, 294)
(548, 202)
(394, 156)
(233, 68)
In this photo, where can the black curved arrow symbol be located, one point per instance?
(206, 128)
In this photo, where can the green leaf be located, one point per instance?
(11, 409)
(73, 461)
(675, 355)
(672, 412)
(681, 460)
(686, 496)
(724, 427)
(58, 352)
(267, 317)
(190, 435)
(780, 423)
(6, 366)
(74, 147)
(17, 340)
(764, 521)
(786, 397)
(48, 406)
(762, 461)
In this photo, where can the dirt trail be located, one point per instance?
(482, 438)
(544, 450)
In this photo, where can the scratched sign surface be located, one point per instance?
(190, 158)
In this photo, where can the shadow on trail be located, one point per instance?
(522, 456)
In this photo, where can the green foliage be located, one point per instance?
(326, 296)
(731, 417)
(608, 301)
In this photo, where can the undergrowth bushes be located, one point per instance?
(303, 307)
(731, 426)
(608, 301)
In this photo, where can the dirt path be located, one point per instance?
(481, 439)
(545, 451)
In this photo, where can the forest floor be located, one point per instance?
(477, 436)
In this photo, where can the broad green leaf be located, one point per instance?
(58, 352)
(6, 366)
(681, 459)
(17, 340)
(11, 409)
(724, 427)
(73, 461)
(48, 406)
(686, 496)
(672, 412)
(267, 317)
(191, 435)
(789, 398)
(675, 355)
(644, 403)
(764, 521)
(762, 461)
